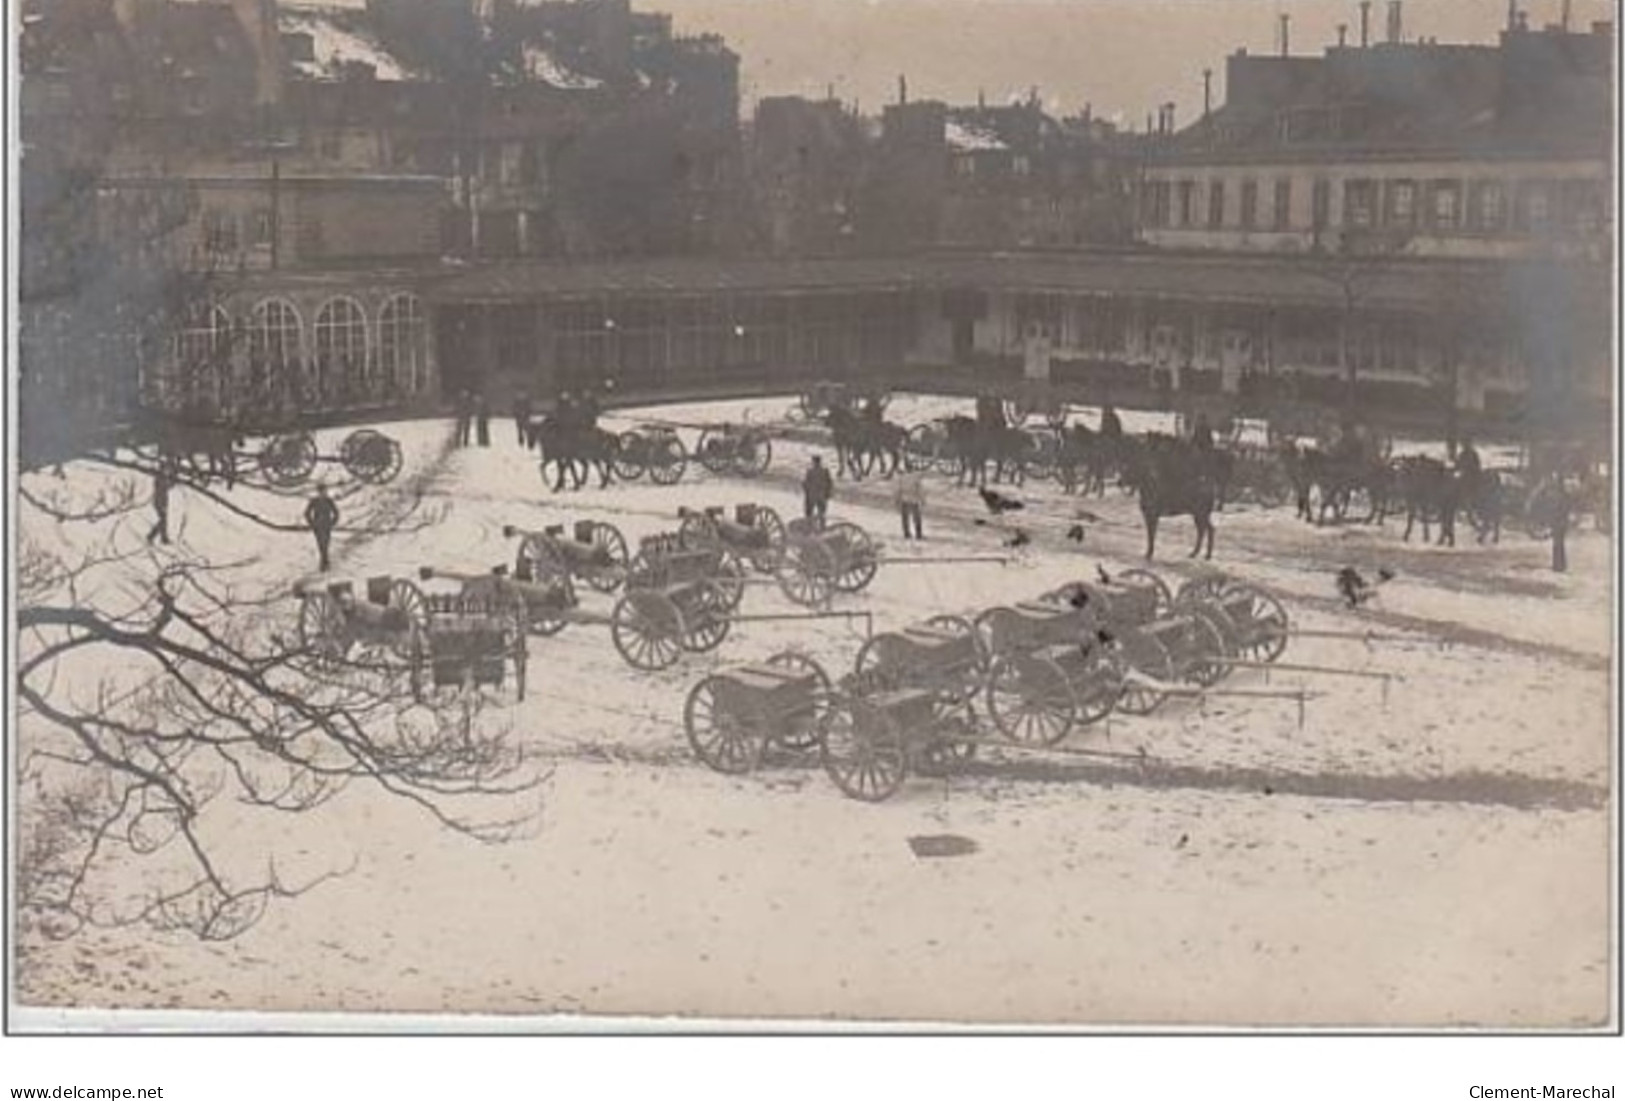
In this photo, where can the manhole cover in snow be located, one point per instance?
(941, 844)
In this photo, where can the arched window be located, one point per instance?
(342, 372)
(274, 353)
(403, 360)
(201, 366)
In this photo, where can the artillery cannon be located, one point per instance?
(596, 554)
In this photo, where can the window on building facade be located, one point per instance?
(1360, 203)
(965, 165)
(1401, 203)
(1446, 209)
(403, 351)
(1022, 166)
(1583, 206)
(1534, 206)
(219, 231)
(1215, 204)
(1283, 204)
(508, 167)
(202, 361)
(1249, 204)
(1489, 206)
(1322, 203)
(259, 223)
(340, 372)
(1187, 202)
(274, 350)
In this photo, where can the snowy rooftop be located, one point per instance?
(543, 66)
(972, 139)
(334, 43)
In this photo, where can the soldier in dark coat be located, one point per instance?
(465, 417)
(162, 479)
(322, 515)
(817, 487)
(482, 420)
(521, 417)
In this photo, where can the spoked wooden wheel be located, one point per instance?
(1203, 589)
(966, 681)
(727, 742)
(804, 730)
(288, 460)
(1261, 622)
(707, 619)
(884, 660)
(409, 599)
(609, 545)
(1030, 700)
(1096, 693)
(546, 612)
(714, 450)
(648, 630)
(768, 521)
(863, 751)
(1138, 576)
(753, 455)
(370, 456)
(539, 558)
(1205, 665)
(729, 579)
(667, 460)
(628, 463)
(1143, 657)
(806, 573)
(857, 559)
(324, 633)
(698, 529)
(952, 742)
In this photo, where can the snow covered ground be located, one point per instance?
(1432, 853)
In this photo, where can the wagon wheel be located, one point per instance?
(629, 461)
(370, 456)
(1030, 700)
(410, 600)
(540, 557)
(753, 455)
(805, 573)
(324, 631)
(648, 630)
(698, 530)
(920, 448)
(667, 460)
(858, 561)
(606, 538)
(769, 521)
(713, 451)
(288, 460)
(971, 679)
(1138, 576)
(1262, 624)
(724, 741)
(708, 623)
(793, 738)
(1101, 686)
(952, 742)
(729, 579)
(1205, 665)
(863, 751)
(1201, 590)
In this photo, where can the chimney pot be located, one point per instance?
(1342, 35)
(1365, 23)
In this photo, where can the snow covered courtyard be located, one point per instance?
(1431, 849)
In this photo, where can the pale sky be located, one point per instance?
(1123, 56)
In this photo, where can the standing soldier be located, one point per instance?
(482, 419)
(1560, 507)
(162, 479)
(521, 417)
(1111, 426)
(1202, 432)
(465, 414)
(911, 502)
(816, 489)
(588, 411)
(323, 516)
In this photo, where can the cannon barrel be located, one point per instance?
(429, 573)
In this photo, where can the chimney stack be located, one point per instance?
(1396, 30)
(1207, 92)
(1286, 34)
(1342, 35)
(1365, 23)
(902, 89)
(1171, 126)
(1563, 20)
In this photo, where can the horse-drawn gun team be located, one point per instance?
(919, 698)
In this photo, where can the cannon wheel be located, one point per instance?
(952, 740)
(769, 521)
(648, 630)
(544, 559)
(1100, 689)
(1138, 576)
(1206, 666)
(713, 452)
(863, 751)
(629, 462)
(880, 653)
(667, 460)
(543, 620)
(977, 674)
(797, 741)
(323, 632)
(729, 579)
(754, 454)
(1200, 590)
(1265, 622)
(698, 530)
(709, 625)
(409, 598)
(370, 456)
(608, 538)
(805, 573)
(723, 741)
(859, 562)
(1030, 700)
(288, 460)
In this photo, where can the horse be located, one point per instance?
(576, 452)
(1483, 500)
(1083, 449)
(1432, 492)
(863, 442)
(1171, 478)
